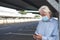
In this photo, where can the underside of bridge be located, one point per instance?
(28, 5)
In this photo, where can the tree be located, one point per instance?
(37, 16)
(22, 12)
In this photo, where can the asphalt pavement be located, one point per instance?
(18, 31)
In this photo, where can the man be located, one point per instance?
(47, 28)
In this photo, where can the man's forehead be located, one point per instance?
(42, 14)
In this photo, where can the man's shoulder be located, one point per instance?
(55, 20)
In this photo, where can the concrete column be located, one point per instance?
(54, 4)
(59, 19)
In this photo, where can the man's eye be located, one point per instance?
(43, 14)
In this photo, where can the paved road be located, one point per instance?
(18, 31)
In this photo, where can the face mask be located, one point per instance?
(45, 18)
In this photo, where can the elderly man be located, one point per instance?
(47, 28)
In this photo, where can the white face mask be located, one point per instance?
(45, 18)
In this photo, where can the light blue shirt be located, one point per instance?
(48, 30)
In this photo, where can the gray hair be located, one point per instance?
(46, 9)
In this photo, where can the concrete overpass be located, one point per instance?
(31, 4)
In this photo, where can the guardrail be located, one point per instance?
(6, 21)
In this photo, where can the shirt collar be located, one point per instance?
(51, 19)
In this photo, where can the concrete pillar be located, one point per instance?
(59, 19)
(54, 4)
